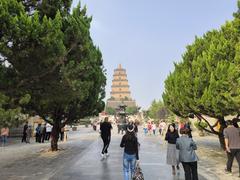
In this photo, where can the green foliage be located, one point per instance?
(111, 111)
(207, 80)
(200, 125)
(158, 110)
(10, 116)
(132, 110)
(47, 54)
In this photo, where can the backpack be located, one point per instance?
(138, 175)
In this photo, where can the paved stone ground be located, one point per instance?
(80, 159)
(89, 165)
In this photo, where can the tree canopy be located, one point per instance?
(158, 110)
(48, 54)
(207, 80)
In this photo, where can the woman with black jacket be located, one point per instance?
(171, 138)
(130, 144)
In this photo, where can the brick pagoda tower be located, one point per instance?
(120, 93)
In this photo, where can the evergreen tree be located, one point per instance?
(49, 55)
(158, 110)
(207, 80)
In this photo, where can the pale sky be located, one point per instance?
(147, 36)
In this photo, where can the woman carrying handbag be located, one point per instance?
(130, 156)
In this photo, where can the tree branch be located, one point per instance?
(200, 118)
(205, 129)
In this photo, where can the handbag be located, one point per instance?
(138, 174)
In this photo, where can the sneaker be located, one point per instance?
(103, 156)
(107, 154)
(227, 171)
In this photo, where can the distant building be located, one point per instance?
(120, 93)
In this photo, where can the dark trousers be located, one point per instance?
(43, 137)
(61, 136)
(47, 137)
(190, 170)
(230, 156)
(106, 142)
(24, 137)
(38, 137)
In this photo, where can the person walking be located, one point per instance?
(232, 143)
(48, 131)
(162, 126)
(187, 125)
(29, 134)
(4, 135)
(187, 155)
(130, 156)
(145, 129)
(105, 129)
(24, 137)
(38, 133)
(171, 138)
(44, 132)
(149, 128)
(154, 128)
(62, 133)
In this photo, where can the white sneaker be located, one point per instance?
(103, 156)
(107, 154)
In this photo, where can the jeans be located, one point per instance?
(129, 162)
(230, 157)
(4, 139)
(190, 170)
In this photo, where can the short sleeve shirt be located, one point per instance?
(233, 136)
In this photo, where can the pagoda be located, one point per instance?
(120, 93)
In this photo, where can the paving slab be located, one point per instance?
(89, 166)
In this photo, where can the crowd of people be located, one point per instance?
(180, 146)
(41, 133)
(151, 128)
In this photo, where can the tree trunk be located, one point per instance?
(222, 142)
(55, 136)
(221, 136)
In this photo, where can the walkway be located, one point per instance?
(80, 160)
(88, 166)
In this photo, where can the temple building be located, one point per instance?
(120, 93)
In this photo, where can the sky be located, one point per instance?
(148, 36)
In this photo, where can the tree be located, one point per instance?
(158, 110)
(10, 116)
(206, 82)
(51, 57)
(132, 110)
(111, 111)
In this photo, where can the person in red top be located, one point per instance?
(150, 128)
(4, 135)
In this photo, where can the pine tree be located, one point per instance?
(206, 82)
(49, 55)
